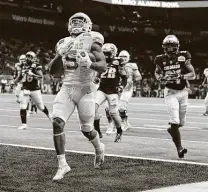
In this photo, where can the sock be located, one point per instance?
(23, 115)
(96, 143)
(35, 108)
(206, 109)
(45, 110)
(119, 130)
(62, 160)
(97, 125)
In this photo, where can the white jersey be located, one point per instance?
(133, 75)
(68, 48)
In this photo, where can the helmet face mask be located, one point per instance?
(79, 23)
(110, 51)
(22, 59)
(125, 56)
(170, 44)
(30, 57)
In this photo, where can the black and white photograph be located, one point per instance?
(104, 96)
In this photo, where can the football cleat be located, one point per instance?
(22, 127)
(126, 125)
(182, 152)
(99, 157)
(205, 114)
(62, 171)
(118, 136)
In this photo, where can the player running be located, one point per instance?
(18, 68)
(204, 84)
(30, 75)
(134, 78)
(110, 88)
(82, 58)
(173, 68)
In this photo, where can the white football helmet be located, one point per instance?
(125, 56)
(206, 72)
(22, 59)
(79, 23)
(170, 44)
(31, 56)
(110, 48)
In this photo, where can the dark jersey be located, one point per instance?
(29, 82)
(174, 65)
(110, 79)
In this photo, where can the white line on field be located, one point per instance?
(134, 118)
(112, 155)
(146, 138)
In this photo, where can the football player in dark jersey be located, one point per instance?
(110, 88)
(31, 74)
(174, 68)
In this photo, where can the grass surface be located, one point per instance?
(28, 170)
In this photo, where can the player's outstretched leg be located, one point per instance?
(59, 143)
(97, 121)
(111, 127)
(176, 137)
(97, 127)
(99, 147)
(117, 120)
(24, 100)
(206, 105)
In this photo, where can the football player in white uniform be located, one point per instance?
(134, 78)
(18, 67)
(30, 75)
(173, 68)
(82, 57)
(204, 84)
(110, 88)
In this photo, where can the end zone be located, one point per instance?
(111, 155)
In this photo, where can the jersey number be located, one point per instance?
(110, 73)
(27, 78)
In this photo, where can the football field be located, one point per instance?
(145, 159)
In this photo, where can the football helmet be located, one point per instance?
(22, 59)
(170, 44)
(110, 51)
(79, 23)
(206, 72)
(125, 56)
(31, 57)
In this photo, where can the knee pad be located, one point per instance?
(87, 127)
(58, 126)
(122, 113)
(90, 135)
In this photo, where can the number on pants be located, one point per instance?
(109, 73)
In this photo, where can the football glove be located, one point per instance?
(83, 59)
